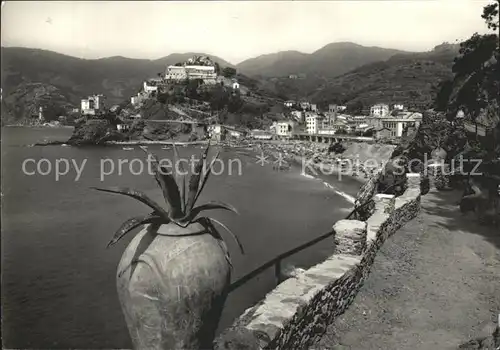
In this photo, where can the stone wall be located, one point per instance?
(297, 312)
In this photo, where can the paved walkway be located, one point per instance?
(434, 285)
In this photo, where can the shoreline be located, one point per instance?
(324, 176)
(38, 126)
(151, 142)
(324, 163)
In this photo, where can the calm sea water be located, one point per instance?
(58, 283)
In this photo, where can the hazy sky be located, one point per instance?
(233, 30)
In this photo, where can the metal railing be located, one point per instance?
(276, 262)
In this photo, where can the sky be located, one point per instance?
(233, 30)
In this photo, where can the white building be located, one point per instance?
(175, 73)
(122, 127)
(284, 128)
(260, 135)
(201, 72)
(149, 87)
(40, 114)
(327, 131)
(398, 107)
(312, 123)
(380, 110)
(288, 103)
(93, 104)
(333, 108)
(397, 125)
(236, 85)
(215, 131)
(235, 134)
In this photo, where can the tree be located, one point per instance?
(229, 72)
(443, 95)
(355, 107)
(490, 15)
(475, 87)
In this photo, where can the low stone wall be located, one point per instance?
(297, 312)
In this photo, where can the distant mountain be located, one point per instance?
(24, 102)
(74, 78)
(409, 78)
(329, 61)
(272, 64)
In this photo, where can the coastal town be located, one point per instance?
(301, 119)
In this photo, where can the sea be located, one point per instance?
(58, 278)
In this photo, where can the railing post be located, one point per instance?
(277, 272)
(350, 237)
(384, 203)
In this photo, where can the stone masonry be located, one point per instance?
(296, 313)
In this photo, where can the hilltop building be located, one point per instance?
(191, 72)
(150, 86)
(93, 105)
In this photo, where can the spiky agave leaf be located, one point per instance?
(194, 181)
(168, 186)
(212, 220)
(209, 206)
(180, 179)
(213, 231)
(135, 222)
(205, 176)
(140, 196)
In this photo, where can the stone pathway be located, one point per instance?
(434, 285)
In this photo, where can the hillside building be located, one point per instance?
(312, 123)
(93, 105)
(215, 132)
(260, 135)
(150, 86)
(380, 110)
(176, 73)
(395, 126)
(333, 108)
(191, 72)
(284, 128)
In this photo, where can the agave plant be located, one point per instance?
(180, 198)
(174, 276)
